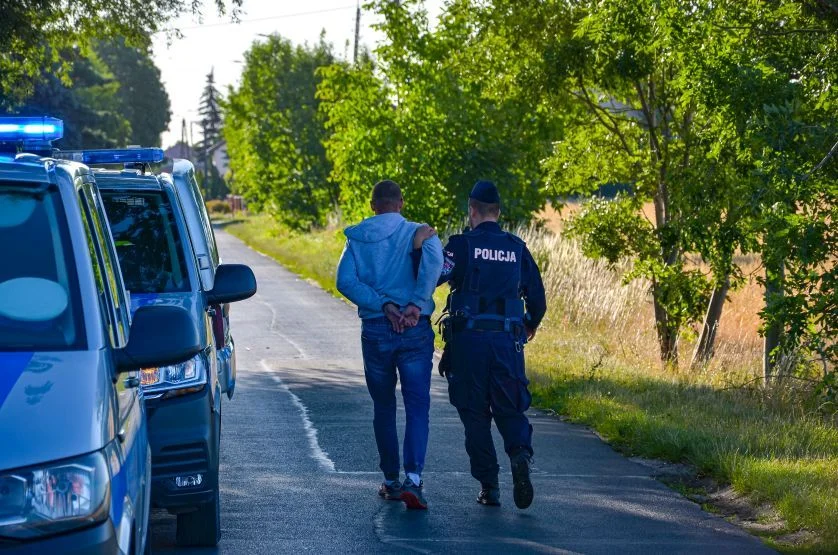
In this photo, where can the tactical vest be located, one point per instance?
(489, 296)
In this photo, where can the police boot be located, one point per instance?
(489, 495)
(522, 490)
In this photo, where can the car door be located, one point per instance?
(133, 441)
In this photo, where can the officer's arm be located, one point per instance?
(352, 287)
(448, 264)
(430, 268)
(532, 289)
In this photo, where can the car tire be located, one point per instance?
(202, 527)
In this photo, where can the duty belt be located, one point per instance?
(514, 326)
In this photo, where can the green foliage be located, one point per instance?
(621, 69)
(210, 112)
(422, 113)
(35, 34)
(361, 122)
(613, 229)
(213, 185)
(115, 96)
(141, 95)
(775, 86)
(91, 109)
(715, 114)
(275, 133)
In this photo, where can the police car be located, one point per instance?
(74, 453)
(168, 257)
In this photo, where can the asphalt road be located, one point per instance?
(299, 466)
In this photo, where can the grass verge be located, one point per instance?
(313, 256)
(586, 364)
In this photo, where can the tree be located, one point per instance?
(713, 113)
(772, 80)
(142, 96)
(210, 112)
(618, 68)
(33, 34)
(275, 132)
(91, 108)
(116, 97)
(422, 114)
(212, 183)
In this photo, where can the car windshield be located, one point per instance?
(40, 304)
(148, 242)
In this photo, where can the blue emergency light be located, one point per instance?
(30, 129)
(113, 156)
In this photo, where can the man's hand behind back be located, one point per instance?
(394, 316)
(410, 316)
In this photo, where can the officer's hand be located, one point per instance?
(422, 234)
(444, 366)
(410, 316)
(530, 332)
(392, 313)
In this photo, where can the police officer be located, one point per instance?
(496, 303)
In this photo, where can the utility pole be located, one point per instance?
(191, 140)
(357, 32)
(206, 163)
(183, 138)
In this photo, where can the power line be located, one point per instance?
(257, 19)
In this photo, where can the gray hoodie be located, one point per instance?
(375, 267)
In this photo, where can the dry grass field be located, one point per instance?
(738, 342)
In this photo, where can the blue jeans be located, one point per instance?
(411, 353)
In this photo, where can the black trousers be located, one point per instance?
(487, 381)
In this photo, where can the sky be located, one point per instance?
(217, 44)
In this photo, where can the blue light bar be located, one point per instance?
(20, 128)
(113, 155)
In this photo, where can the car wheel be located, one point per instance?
(201, 527)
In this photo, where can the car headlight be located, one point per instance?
(53, 498)
(190, 376)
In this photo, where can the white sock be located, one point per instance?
(415, 478)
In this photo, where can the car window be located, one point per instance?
(40, 302)
(106, 282)
(148, 242)
(98, 274)
(111, 261)
(202, 213)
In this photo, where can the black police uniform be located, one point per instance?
(496, 290)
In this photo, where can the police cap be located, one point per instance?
(485, 191)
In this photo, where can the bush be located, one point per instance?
(218, 207)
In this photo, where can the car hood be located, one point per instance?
(53, 405)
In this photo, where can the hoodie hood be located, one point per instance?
(375, 228)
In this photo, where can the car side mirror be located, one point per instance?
(159, 336)
(233, 282)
